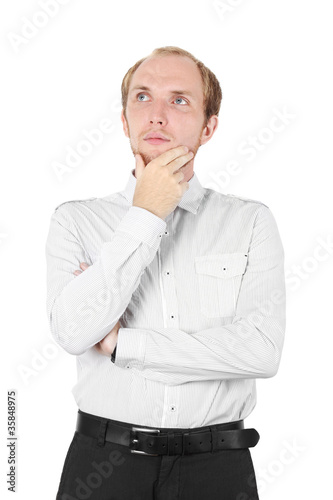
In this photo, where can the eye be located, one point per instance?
(180, 99)
(141, 95)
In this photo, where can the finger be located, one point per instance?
(180, 162)
(179, 176)
(84, 265)
(181, 180)
(171, 154)
(139, 166)
(77, 272)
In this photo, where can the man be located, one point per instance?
(183, 287)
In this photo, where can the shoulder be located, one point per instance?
(246, 200)
(67, 212)
(75, 201)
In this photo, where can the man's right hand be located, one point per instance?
(158, 186)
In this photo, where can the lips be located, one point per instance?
(156, 138)
(156, 141)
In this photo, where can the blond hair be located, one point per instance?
(211, 87)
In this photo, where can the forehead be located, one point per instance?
(169, 72)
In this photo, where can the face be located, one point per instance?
(165, 99)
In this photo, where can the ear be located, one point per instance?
(208, 131)
(125, 125)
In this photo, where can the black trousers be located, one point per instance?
(112, 472)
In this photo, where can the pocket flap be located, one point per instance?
(222, 265)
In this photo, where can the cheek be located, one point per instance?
(131, 120)
(186, 124)
(190, 136)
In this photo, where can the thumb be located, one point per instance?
(139, 166)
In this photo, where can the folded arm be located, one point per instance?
(83, 309)
(249, 346)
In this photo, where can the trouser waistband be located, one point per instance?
(164, 440)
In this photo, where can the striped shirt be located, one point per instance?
(200, 297)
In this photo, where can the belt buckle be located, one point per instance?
(143, 429)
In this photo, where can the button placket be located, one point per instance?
(171, 407)
(167, 278)
(171, 317)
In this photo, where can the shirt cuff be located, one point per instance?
(131, 348)
(142, 224)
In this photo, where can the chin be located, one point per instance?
(148, 156)
(157, 150)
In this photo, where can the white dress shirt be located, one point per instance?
(200, 297)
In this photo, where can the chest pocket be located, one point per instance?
(219, 279)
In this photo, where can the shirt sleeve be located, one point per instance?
(249, 347)
(82, 309)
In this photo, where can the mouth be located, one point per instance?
(156, 140)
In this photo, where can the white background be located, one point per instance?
(64, 79)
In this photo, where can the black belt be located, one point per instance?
(161, 441)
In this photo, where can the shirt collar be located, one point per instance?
(190, 200)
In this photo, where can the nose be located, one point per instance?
(158, 115)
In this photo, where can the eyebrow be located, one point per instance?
(183, 92)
